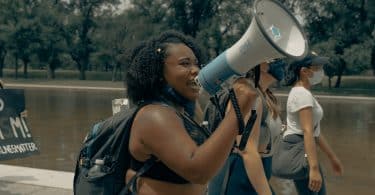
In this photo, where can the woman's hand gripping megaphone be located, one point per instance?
(246, 96)
(243, 99)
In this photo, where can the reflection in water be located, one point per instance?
(59, 119)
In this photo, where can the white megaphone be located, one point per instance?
(273, 33)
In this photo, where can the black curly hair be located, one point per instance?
(144, 77)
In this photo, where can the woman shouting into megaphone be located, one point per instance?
(162, 71)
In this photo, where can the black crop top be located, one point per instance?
(159, 170)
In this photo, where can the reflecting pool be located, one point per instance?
(60, 118)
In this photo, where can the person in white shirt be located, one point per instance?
(304, 114)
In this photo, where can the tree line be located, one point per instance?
(94, 35)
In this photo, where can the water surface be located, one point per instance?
(60, 118)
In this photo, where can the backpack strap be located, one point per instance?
(133, 181)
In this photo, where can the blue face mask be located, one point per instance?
(189, 106)
(276, 69)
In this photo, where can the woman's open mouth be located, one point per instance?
(193, 85)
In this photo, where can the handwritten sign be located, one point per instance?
(15, 136)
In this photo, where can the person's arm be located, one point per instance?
(163, 135)
(252, 159)
(315, 178)
(337, 167)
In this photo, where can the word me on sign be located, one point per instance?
(15, 136)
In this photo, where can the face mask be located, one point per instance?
(317, 77)
(276, 69)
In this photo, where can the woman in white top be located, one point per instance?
(304, 114)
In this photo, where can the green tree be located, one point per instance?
(10, 12)
(215, 23)
(23, 29)
(327, 48)
(121, 32)
(226, 26)
(346, 25)
(188, 16)
(4, 34)
(371, 17)
(80, 29)
(51, 43)
(111, 39)
(25, 40)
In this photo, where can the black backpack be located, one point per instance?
(104, 157)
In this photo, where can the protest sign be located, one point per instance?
(15, 137)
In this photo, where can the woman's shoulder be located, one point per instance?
(298, 98)
(156, 118)
(244, 81)
(156, 110)
(299, 91)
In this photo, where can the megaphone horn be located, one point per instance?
(273, 33)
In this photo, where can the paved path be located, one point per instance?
(15, 180)
(9, 188)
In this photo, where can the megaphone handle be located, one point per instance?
(237, 110)
(249, 126)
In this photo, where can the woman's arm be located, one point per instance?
(315, 178)
(335, 162)
(163, 134)
(252, 159)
